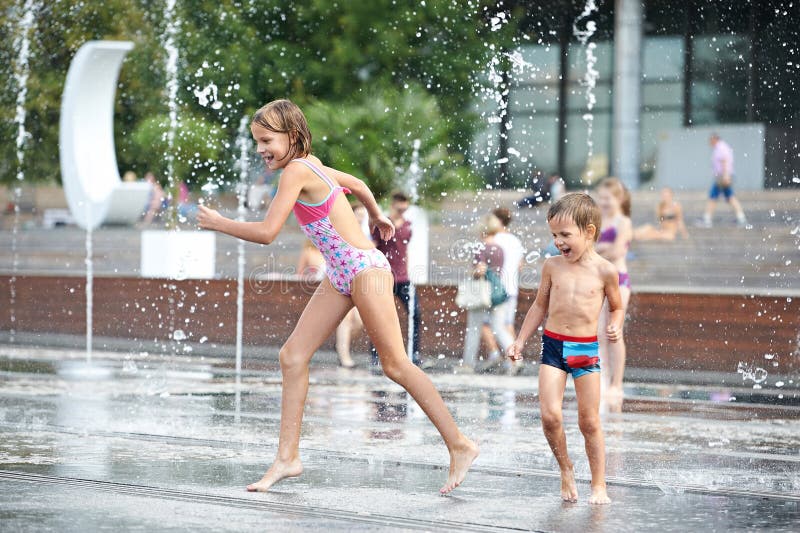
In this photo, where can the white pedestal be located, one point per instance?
(178, 254)
(418, 246)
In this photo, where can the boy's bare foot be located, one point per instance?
(599, 496)
(278, 471)
(461, 458)
(569, 491)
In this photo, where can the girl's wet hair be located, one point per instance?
(283, 116)
(578, 207)
(620, 191)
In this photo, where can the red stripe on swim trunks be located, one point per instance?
(581, 361)
(568, 338)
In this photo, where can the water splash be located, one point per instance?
(171, 69)
(22, 43)
(589, 80)
(752, 373)
(243, 142)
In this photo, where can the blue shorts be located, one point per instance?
(574, 355)
(717, 189)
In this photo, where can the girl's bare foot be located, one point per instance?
(599, 496)
(569, 491)
(461, 458)
(278, 471)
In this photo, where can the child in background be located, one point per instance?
(570, 298)
(616, 233)
(357, 274)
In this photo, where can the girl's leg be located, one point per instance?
(587, 390)
(320, 317)
(373, 297)
(616, 356)
(552, 382)
(605, 356)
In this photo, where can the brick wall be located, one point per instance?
(669, 331)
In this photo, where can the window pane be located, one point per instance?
(662, 58)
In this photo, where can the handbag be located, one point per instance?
(474, 294)
(498, 290)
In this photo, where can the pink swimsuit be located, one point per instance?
(344, 261)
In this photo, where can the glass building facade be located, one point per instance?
(702, 63)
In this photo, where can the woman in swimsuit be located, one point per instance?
(670, 221)
(357, 275)
(615, 237)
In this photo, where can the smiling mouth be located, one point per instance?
(565, 251)
(268, 159)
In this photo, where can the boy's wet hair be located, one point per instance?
(578, 207)
(283, 116)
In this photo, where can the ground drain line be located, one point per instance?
(489, 470)
(246, 503)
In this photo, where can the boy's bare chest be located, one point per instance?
(576, 285)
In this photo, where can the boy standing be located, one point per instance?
(571, 293)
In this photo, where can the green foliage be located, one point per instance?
(198, 143)
(345, 63)
(373, 137)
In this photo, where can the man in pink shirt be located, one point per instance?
(722, 166)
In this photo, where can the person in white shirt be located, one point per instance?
(513, 254)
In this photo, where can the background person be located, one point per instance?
(490, 256)
(669, 215)
(615, 237)
(157, 201)
(722, 167)
(513, 255)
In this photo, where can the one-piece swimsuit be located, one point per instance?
(343, 260)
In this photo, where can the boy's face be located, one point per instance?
(569, 239)
(273, 147)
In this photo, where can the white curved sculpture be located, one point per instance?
(95, 193)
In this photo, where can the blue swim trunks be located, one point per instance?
(574, 355)
(724, 190)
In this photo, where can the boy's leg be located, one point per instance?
(322, 314)
(551, 397)
(587, 390)
(375, 302)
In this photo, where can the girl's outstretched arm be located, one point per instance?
(265, 231)
(365, 196)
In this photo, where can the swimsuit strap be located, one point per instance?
(316, 170)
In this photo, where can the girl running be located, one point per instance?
(615, 237)
(357, 275)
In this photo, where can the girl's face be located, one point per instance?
(274, 148)
(608, 203)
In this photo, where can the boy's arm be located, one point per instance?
(535, 315)
(615, 309)
(264, 232)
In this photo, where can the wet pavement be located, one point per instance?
(152, 443)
